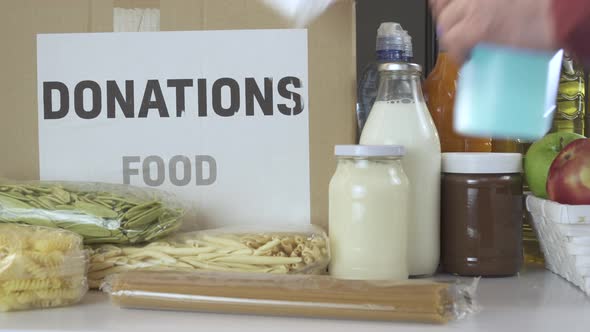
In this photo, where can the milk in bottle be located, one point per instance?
(400, 117)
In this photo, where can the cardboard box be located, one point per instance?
(331, 54)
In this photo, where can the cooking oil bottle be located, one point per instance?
(571, 99)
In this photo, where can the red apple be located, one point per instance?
(569, 175)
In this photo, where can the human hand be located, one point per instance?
(462, 24)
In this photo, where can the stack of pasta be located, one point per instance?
(40, 267)
(304, 250)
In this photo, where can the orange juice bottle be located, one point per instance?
(439, 90)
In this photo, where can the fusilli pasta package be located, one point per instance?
(100, 212)
(40, 267)
(292, 250)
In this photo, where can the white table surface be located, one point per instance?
(535, 301)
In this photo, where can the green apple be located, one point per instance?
(539, 158)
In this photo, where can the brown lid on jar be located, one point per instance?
(481, 163)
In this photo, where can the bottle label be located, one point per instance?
(571, 99)
(390, 55)
(572, 91)
(570, 108)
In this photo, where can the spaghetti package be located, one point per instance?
(303, 250)
(293, 295)
(40, 267)
(100, 212)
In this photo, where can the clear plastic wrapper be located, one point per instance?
(298, 250)
(101, 213)
(40, 267)
(293, 295)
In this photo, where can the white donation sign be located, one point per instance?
(218, 117)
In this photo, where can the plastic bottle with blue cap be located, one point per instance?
(393, 44)
(408, 53)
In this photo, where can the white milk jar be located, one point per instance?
(400, 117)
(369, 196)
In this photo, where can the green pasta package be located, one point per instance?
(40, 267)
(289, 250)
(100, 212)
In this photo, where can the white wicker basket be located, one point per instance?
(564, 234)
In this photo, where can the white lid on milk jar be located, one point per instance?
(369, 213)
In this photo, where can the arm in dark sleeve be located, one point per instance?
(572, 26)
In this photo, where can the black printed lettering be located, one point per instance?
(264, 101)
(180, 86)
(222, 96)
(153, 89)
(64, 100)
(114, 97)
(294, 96)
(96, 94)
(234, 100)
(202, 95)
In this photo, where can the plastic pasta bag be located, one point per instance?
(101, 213)
(40, 267)
(303, 250)
(293, 295)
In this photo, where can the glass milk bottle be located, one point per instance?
(369, 214)
(400, 117)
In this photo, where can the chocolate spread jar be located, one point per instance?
(482, 212)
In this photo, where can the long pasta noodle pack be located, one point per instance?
(291, 250)
(100, 212)
(292, 295)
(40, 267)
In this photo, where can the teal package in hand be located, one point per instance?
(506, 92)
